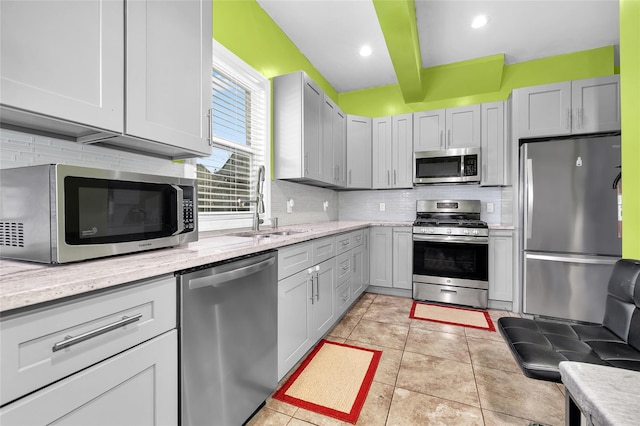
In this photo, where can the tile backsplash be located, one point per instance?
(307, 203)
(400, 204)
(19, 149)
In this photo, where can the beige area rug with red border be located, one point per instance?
(465, 317)
(333, 380)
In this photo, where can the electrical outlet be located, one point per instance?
(382, 207)
(489, 207)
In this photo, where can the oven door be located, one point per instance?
(462, 261)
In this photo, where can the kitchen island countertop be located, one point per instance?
(25, 284)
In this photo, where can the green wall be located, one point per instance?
(479, 80)
(630, 99)
(244, 28)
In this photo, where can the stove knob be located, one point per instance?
(448, 230)
(466, 231)
(475, 231)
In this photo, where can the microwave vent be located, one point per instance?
(12, 234)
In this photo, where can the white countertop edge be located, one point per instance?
(25, 284)
(605, 395)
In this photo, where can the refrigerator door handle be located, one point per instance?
(529, 197)
(589, 261)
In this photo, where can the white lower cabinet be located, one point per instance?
(391, 257)
(136, 387)
(381, 260)
(108, 359)
(501, 265)
(306, 301)
(295, 337)
(402, 257)
(313, 296)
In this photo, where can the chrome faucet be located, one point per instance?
(259, 200)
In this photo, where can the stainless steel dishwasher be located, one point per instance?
(228, 337)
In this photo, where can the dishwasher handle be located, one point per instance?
(221, 276)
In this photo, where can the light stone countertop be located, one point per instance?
(605, 395)
(499, 226)
(23, 284)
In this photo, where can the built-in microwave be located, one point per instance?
(58, 213)
(460, 165)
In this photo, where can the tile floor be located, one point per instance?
(432, 374)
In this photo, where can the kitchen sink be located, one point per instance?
(267, 233)
(285, 232)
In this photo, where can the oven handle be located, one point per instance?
(449, 239)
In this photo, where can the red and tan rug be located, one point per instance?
(333, 380)
(465, 317)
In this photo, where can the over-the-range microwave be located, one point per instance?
(58, 213)
(461, 165)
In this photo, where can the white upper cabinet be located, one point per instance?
(297, 109)
(63, 60)
(358, 152)
(401, 151)
(381, 153)
(596, 104)
(570, 107)
(309, 133)
(392, 152)
(429, 130)
(463, 127)
(544, 110)
(446, 129)
(168, 72)
(134, 75)
(495, 145)
(333, 143)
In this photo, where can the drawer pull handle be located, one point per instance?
(70, 341)
(444, 290)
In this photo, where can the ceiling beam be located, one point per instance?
(398, 23)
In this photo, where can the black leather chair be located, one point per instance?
(540, 345)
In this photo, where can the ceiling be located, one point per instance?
(330, 33)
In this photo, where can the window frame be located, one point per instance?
(228, 63)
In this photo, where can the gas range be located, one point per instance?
(450, 253)
(450, 217)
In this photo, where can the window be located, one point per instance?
(240, 129)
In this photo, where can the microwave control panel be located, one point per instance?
(471, 165)
(188, 208)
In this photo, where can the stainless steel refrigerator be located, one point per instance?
(570, 228)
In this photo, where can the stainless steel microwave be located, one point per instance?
(59, 213)
(460, 165)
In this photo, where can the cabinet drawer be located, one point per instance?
(344, 266)
(357, 238)
(343, 297)
(323, 249)
(32, 347)
(295, 258)
(450, 294)
(344, 243)
(136, 387)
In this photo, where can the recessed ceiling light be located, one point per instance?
(479, 21)
(365, 50)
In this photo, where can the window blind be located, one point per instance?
(226, 179)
